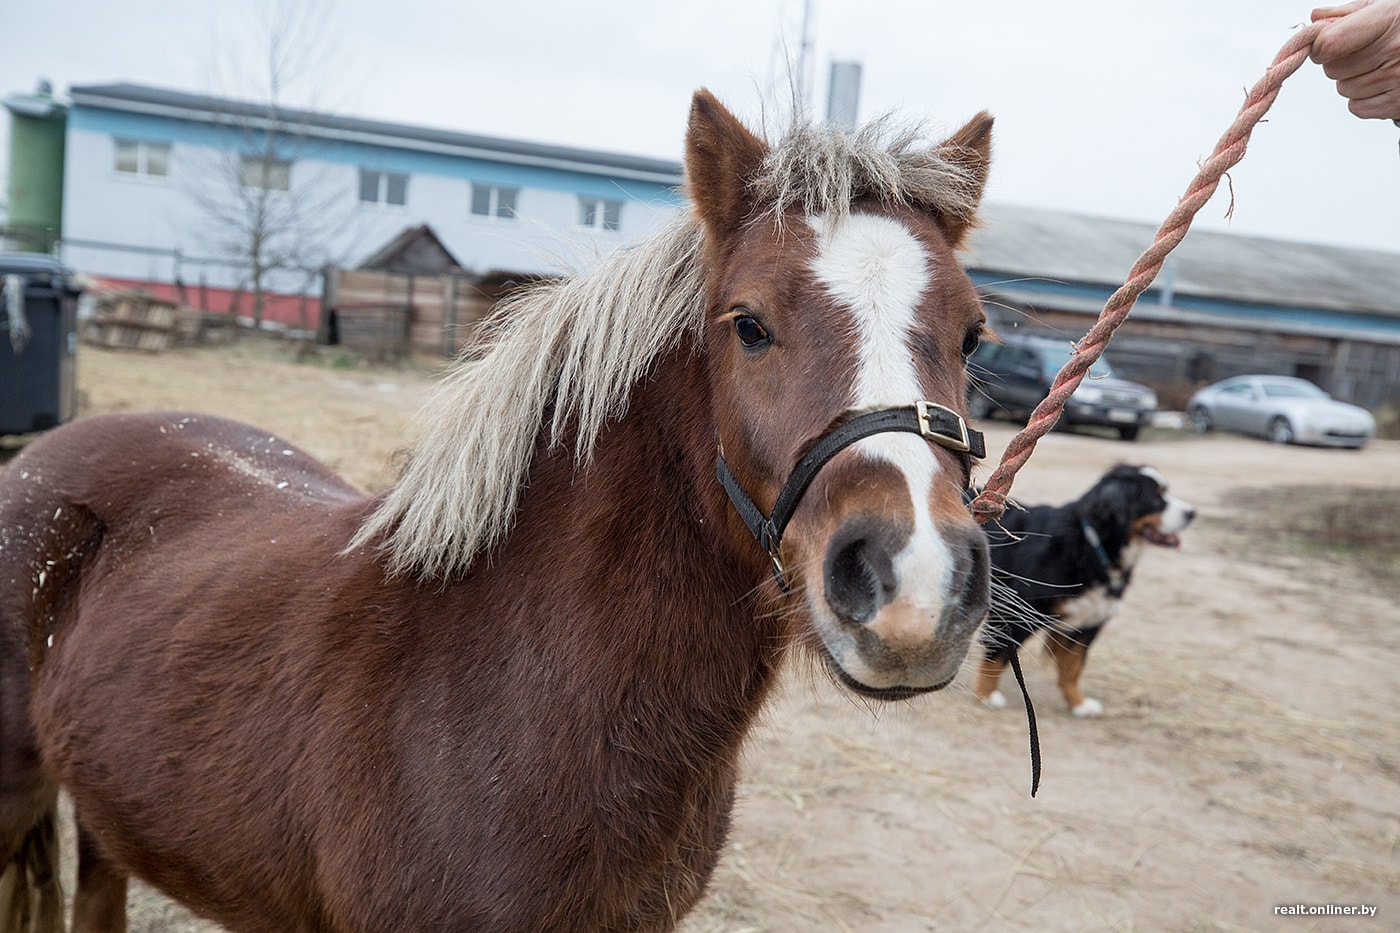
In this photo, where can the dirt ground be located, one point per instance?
(1248, 758)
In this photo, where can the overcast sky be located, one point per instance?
(1103, 106)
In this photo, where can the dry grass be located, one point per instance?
(1359, 525)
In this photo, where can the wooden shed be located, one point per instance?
(412, 296)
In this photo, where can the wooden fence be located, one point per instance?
(388, 314)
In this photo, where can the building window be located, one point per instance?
(383, 187)
(271, 174)
(493, 200)
(599, 214)
(138, 157)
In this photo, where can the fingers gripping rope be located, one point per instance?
(991, 503)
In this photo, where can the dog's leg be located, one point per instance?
(1069, 653)
(988, 674)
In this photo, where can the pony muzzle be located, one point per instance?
(897, 606)
(897, 617)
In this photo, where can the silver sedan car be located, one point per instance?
(1281, 408)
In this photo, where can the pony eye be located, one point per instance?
(751, 333)
(971, 340)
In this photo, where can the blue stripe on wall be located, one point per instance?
(381, 158)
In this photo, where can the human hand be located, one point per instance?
(1359, 48)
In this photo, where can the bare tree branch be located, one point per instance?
(268, 203)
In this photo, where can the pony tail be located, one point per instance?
(31, 895)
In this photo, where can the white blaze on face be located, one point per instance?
(879, 271)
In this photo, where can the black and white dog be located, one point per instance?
(1064, 569)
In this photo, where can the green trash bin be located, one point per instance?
(38, 343)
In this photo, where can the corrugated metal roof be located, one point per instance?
(1030, 243)
(136, 98)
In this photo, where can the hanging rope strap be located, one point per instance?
(1030, 722)
(991, 503)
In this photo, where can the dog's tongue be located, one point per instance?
(1161, 540)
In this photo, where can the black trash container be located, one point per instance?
(38, 343)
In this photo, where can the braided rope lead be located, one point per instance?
(991, 503)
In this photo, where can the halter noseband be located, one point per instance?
(931, 421)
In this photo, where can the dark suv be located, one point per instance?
(1011, 378)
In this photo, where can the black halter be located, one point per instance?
(933, 422)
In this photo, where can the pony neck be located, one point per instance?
(641, 553)
(648, 497)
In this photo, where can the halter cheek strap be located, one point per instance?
(933, 422)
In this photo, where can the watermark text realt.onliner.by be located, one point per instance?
(1326, 910)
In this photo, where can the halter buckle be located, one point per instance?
(959, 443)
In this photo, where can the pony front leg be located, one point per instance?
(99, 904)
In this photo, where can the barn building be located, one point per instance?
(1223, 304)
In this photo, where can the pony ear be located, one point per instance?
(721, 157)
(970, 148)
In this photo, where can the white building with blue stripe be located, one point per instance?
(151, 176)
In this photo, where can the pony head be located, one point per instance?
(832, 289)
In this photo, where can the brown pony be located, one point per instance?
(510, 693)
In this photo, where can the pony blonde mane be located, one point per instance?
(580, 344)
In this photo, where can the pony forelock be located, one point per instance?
(820, 170)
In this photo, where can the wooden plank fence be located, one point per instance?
(388, 314)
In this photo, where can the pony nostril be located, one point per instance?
(859, 579)
(852, 588)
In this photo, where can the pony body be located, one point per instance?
(380, 755)
(295, 708)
